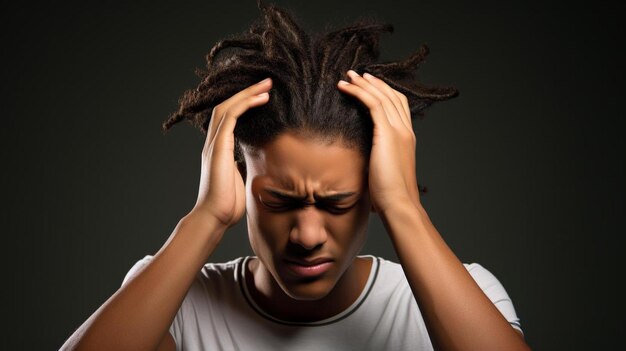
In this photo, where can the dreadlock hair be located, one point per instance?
(304, 69)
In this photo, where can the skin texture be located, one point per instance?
(457, 313)
(138, 315)
(307, 228)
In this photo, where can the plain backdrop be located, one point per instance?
(525, 169)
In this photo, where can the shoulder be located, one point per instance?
(486, 280)
(389, 277)
(136, 267)
(395, 271)
(214, 271)
(221, 270)
(392, 274)
(390, 269)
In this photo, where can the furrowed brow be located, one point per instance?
(335, 197)
(288, 197)
(284, 196)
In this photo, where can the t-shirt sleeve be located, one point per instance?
(176, 327)
(494, 290)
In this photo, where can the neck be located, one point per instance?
(270, 297)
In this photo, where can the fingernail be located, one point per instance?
(343, 82)
(264, 80)
(367, 75)
(352, 73)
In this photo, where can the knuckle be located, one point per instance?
(252, 98)
(403, 98)
(407, 135)
(217, 110)
(399, 95)
(223, 114)
(378, 104)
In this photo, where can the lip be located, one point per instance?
(309, 268)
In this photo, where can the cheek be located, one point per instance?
(347, 224)
(350, 229)
(266, 230)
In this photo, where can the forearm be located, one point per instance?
(139, 314)
(458, 315)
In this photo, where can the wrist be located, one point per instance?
(193, 241)
(201, 228)
(401, 208)
(204, 221)
(394, 203)
(397, 208)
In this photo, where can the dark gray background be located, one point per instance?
(525, 167)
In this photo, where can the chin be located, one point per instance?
(308, 290)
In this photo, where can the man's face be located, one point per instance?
(292, 217)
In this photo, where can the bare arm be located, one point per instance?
(138, 315)
(458, 315)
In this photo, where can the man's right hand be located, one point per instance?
(222, 192)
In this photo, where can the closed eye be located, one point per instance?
(338, 210)
(277, 206)
(286, 207)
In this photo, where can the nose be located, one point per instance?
(308, 229)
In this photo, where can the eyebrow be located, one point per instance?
(288, 197)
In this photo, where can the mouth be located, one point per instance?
(308, 269)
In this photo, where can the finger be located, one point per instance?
(405, 105)
(377, 112)
(224, 135)
(390, 109)
(401, 104)
(226, 125)
(392, 94)
(254, 89)
(220, 110)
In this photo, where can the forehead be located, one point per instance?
(292, 158)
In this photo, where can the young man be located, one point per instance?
(307, 156)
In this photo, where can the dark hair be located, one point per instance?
(304, 98)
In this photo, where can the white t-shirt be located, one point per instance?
(219, 314)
